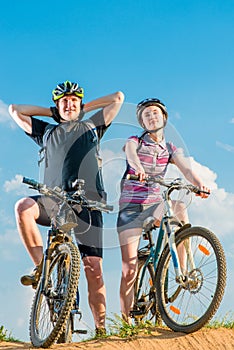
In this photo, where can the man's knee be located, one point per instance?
(26, 206)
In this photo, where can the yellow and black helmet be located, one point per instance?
(67, 88)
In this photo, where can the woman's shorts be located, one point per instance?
(88, 232)
(132, 215)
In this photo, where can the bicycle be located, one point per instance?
(185, 299)
(56, 300)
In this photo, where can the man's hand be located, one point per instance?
(55, 114)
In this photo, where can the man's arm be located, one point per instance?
(22, 115)
(111, 105)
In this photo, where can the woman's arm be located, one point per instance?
(133, 159)
(22, 115)
(184, 166)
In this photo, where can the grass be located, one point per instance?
(122, 329)
(6, 336)
(225, 322)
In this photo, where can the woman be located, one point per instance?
(147, 155)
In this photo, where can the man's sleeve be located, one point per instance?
(38, 129)
(99, 122)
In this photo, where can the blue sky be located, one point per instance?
(179, 51)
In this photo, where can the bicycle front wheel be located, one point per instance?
(145, 305)
(52, 304)
(188, 306)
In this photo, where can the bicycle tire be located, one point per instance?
(66, 335)
(189, 309)
(52, 306)
(145, 301)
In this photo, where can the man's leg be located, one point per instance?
(96, 289)
(26, 212)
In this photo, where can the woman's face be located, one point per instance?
(153, 118)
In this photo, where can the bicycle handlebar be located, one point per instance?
(176, 184)
(75, 197)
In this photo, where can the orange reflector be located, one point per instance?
(203, 249)
(151, 282)
(175, 310)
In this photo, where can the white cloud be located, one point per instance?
(5, 116)
(214, 212)
(177, 115)
(232, 121)
(113, 169)
(14, 185)
(226, 147)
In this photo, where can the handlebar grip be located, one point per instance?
(109, 207)
(31, 182)
(201, 191)
(132, 177)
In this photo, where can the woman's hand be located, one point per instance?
(139, 171)
(202, 194)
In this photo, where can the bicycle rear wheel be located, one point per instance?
(52, 305)
(189, 306)
(145, 306)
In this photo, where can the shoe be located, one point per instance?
(30, 280)
(100, 332)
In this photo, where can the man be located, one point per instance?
(70, 152)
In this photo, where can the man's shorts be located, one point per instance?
(88, 233)
(132, 215)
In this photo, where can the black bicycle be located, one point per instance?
(56, 299)
(184, 298)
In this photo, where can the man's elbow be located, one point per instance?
(119, 97)
(12, 109)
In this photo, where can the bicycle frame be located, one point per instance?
(167, 230)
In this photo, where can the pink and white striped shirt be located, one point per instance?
(154, 158)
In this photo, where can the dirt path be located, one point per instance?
(161, 339)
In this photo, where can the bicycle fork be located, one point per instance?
(181, 278)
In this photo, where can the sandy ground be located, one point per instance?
(160, 339)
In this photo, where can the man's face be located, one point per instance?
(69, 107)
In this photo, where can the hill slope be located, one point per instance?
(161, 339)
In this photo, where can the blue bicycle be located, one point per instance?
(184, 298)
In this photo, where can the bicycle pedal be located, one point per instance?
(80, 331)
(136, 313)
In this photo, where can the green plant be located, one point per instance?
(5, 336)
(122, 329)
(226, 322)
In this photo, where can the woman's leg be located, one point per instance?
(129, 242)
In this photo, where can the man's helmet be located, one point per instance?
(150, 102)
(67, 88)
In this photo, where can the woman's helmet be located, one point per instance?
(150, 102)
(67, 88)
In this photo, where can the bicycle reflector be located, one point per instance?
(203, 249)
